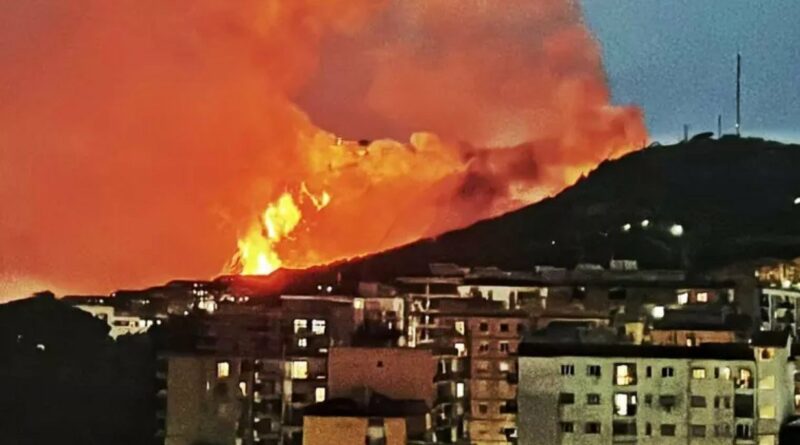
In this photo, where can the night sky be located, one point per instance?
(676, 59)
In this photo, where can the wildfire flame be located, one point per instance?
(257, 250)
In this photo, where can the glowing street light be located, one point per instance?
(676, 230)
(645, 223)
(626, 228)
(797, 201)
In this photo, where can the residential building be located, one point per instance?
(582, 393)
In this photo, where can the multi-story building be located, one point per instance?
(621, 393)
(119, 323)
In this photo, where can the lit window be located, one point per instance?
(624, 374)
(302, 342)
(567, 369)
(300, 324)
(702, 297)
(318, 327)
(223, 369)
(504, 366)
(461, 327)
(460, 390)
(625, 404)
(358, 303)
(461, 349)
(658, 312)
(767, 440)
(319, 394)
(299, 369)
(683, 298)
(723, 373)
(243, 388)
(698, 373)
(767, 382)
(766, 411)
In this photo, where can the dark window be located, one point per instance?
(503, 327)
(648, 399)
(593, 399)
(698, 402)
(697, 431)
(623, 428)
(566, 398)
(483, 408)
(592, 428)
(520, 328)
(743, 406)
(508, 407)
(668, 430)
(484, 327)
(648, 429)
(593, 370)
(649, 372)
(667, 371)
(380, 364)
(504, 347)
(567, 369)
(744, 431)
(567, 427)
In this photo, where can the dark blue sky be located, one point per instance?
(676, 59)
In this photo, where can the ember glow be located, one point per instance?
(143, 140)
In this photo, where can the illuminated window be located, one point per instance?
(624, 374)
(702, 297)
(461, 327)
(243, 388)
(299, 369)
(461, 349)
(358, 303)
(625, 404)
(318, 327)
(302, 342)
(504, 366)
(460, 390)
(767, 382)
(683, 298)
(766, 411)
(300, 324)
(745, 380)
(767, 440)
(319, 394)
(223, 370)
(723, 373)
(698, 373)
(658, 312)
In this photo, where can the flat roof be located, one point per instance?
(709, 351)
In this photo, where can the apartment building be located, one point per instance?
(621, 393)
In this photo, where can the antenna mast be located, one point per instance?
(738, 94)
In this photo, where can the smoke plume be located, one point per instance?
(139, 139)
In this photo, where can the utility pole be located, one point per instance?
(685, 132)
(738, 94)
(719, 126)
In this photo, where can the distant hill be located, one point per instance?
(733, 198)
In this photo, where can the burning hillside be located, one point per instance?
(154, 134)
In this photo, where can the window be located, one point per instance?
(649, 371)
(702, 297)
(698, 373)
(722, 430)
(567, 427)
(667, 402)
(484, 327)
(667, 430)
(648, 399)
(298, 369)
(461, 327)
(766, 411)
(302, 342)
(744, 431)
(223, 370)
(243, 388)
(592, 428)
(722, 402)
(767, 382)
(520, 328)
(460, 390)
(461, 349)
(745, 380)
(567, 369)
(318, 327)
(767, 354)
(624, 374)
(483, 408)
(592, 399)
(300, 324)
(667, 371)
(504, 366)
(503, 327)
(482, 365)
(648, 429)
(483, 347)
(722, 373)
(623, 428)
(625, 404)
(593, 370)
(697, 430)
(683, 298)
(697, 402)
(767, 440)
(566, 398)
(504, 347)
(319, 394)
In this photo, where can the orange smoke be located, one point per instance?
(140, 139)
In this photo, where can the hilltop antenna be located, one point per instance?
(738, 94)
(719, 126)
(685, 132)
